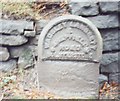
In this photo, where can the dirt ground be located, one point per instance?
(15, 85)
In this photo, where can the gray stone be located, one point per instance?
(34, 41)
(40, 25)
(12, 40)
(8, 65)
(26, 59)
(110, 39)
(69, 51)
(29, 33)
(109, 6)
(103, 78)
(16, 52)
(4, 54)
(109, 63)
(15, 26)
(114, 77)
(84, 8)
(105, 21)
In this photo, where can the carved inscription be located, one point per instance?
(70, 40)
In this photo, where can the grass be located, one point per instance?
(30, 10)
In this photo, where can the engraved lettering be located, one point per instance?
(82, 39)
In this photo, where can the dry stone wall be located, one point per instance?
(106, 16)
(19, 38)
(16, 50)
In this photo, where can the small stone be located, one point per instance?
(108, 6)
(4, 54)
(29, 33)
(84, 8)
(109, 63)
(15, 26)
(114, 77)
(105, 21)
(8, 65)
(102, 78)
(26, 59)
(12, 40)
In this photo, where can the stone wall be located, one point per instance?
(105, 15)
(18, 38)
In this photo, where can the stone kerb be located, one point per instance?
(69, 52)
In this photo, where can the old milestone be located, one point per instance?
(69, 52)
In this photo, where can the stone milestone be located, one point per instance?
(69, 52)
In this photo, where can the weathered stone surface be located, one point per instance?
(109, 6)
(15, 26)
(103, 78)
(16, 52)
(110, 39)
(84, 8)
(109, 63)
(12, 40)
(4, 54)
(25, 54)
(70, 48)
(26, 59)
(40, 25)
(29, 33)
(105, 21)
(114, 77)
(8, 65)
(34, 41)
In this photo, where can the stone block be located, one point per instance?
(26, 59)
(105, 21)
(107, 7)
(4, 54)
(15, 26)
(8, 65)
(114, 77)
(110, 39)
(12, 40)
(25, 54)
(109, 63)
(84, 8)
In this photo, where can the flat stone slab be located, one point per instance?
(110, 39)
(69, 51)
(105, 21)
(84, 8)
(110, 63)
(15, 26)
(109, 6)
(12, 40)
